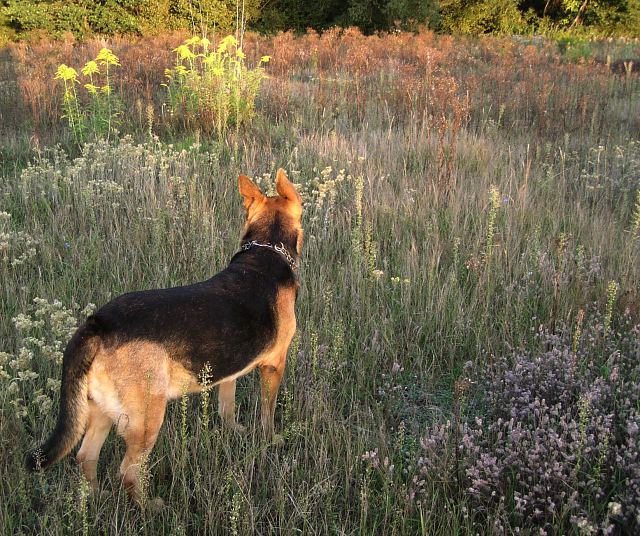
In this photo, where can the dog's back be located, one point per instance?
(225, 322)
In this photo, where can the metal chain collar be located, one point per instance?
(279, 248)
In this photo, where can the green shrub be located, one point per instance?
(80, 17)
(26, 16)
(501, 17)
(574, 49)
(114, 17)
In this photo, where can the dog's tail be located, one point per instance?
(74, 403)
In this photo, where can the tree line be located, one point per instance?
(21, 18)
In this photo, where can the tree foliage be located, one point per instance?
(86, 17)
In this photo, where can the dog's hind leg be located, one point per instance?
(270, 378)
(140, 432)
(227, 405)
(98, 426)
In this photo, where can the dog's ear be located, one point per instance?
(249, 191)
(285, 188)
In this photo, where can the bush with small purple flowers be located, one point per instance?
(553, 441)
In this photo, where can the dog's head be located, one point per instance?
(275, 218)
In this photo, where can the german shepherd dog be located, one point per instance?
(145, 348)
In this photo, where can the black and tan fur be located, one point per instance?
(145, 348)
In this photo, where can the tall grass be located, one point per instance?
(401, 284)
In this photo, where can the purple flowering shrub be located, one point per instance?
(558, 441)
(545, 439)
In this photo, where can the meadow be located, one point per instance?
(468, 351)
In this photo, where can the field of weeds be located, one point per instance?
(468, 350)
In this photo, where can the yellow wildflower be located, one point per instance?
(66, 73)
(91, 89)
(227, 42)
(106, 57)
(90, 68)
(184, 52)
(193, 41)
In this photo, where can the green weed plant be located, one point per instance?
(213, 87)
(96, 113)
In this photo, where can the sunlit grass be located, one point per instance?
(401, 285)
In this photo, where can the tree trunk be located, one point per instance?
(546, 7)
(581, 11)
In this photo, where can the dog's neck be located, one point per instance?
(270, 246)
(275, 233)
(278, 248)
(266, 256)
(266, 263)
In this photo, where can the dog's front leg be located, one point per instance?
(270, 378)
(227, 406)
